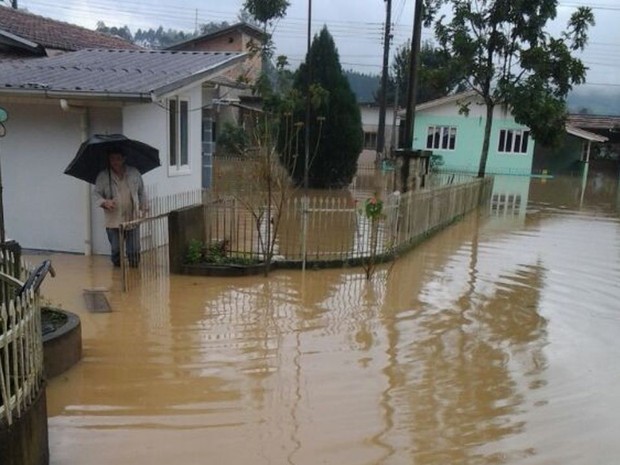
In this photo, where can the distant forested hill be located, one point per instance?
(363, 85)
(595, 101)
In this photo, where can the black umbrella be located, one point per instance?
(92, 157)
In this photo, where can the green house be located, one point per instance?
(444, 128)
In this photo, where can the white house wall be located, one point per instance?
(44, 208)
(370, 124)
(149, 123)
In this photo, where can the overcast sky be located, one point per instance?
(357, 26)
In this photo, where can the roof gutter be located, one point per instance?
(172, 88)
(81, 95)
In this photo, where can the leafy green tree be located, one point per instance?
(211, 27)
(268, 180)
(265, 11)
(438, 74)
(122, 32)
(510, 60)
(336, 127)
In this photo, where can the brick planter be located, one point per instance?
(25, 442)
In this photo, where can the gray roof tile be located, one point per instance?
(119, 72)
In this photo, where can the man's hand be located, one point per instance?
(108, 205)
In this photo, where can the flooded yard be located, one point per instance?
(494, 342)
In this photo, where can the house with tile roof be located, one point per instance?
(163, 98)
(240, 37)
(26, 35)
(239, 103)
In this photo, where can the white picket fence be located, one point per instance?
(21, 348)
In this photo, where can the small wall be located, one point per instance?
(183, 226)
(63, 348)
(25, 442)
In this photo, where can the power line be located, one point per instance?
(345, 32)
(574, 4)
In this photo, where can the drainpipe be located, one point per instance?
(584, 175)
(88, 209)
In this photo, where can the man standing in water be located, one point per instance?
(119, 190)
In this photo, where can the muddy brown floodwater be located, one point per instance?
(495, 342)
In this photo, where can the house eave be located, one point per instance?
(174, 87)
(246, 28)
(586, 135)
(21, 42)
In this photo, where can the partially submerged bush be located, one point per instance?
(216, 252)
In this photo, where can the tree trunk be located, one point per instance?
(487, 139)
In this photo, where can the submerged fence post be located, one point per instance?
(304, 233)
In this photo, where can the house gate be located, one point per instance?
(152, 234)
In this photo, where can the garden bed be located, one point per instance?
(223, 269)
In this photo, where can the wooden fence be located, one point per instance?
(336, 227)
(21, 349)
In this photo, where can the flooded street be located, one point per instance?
(497, 341)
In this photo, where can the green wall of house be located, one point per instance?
(470, 135)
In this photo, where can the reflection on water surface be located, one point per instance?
(495, 342)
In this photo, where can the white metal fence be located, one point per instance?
(153, 236)
(21, 347)
(337, 228)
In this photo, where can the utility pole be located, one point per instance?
(307, 138)
(394, 138)
(384, 80)
(412, 90)
(414, 65)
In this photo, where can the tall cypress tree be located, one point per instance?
(335, 121)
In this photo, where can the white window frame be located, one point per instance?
(179, 136)
(370, 140)
(513, 141)
(443, 138)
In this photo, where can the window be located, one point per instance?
(178, 131)
(441, 137)
(370, 140)
(513, 141)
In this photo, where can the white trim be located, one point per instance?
(583, 134)
(178, 169)
(444, 130)
(513, 150)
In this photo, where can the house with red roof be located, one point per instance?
(26, 35)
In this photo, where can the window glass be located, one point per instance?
(441, 137)
(184, 133)
(178, 133)
(513, 141)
